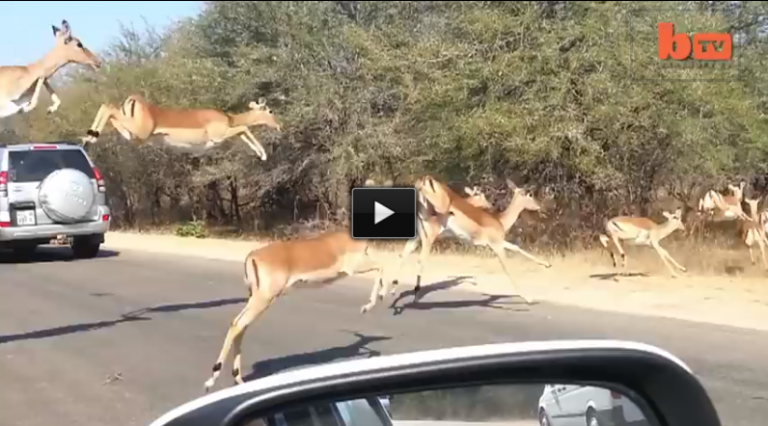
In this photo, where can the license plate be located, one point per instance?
(25, 217)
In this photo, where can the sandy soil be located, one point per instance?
(721, 287)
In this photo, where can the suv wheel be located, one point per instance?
(85, 248)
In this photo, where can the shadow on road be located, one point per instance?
(489, 300)
(49, 254)
(355, 349)
(137, 315)
(616, 275)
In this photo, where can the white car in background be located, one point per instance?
(574, 405)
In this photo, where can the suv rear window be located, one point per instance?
(34, 166)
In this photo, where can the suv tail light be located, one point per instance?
(4, 193)
(615, 395)
(3, 184)
(99, 180)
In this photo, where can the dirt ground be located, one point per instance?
(720, 287)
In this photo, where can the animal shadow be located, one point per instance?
(356, 349)
(488, 302)
(132, 316)
(616, 275)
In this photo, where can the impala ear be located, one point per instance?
(511, 184)
(262, 101)
(253, 105)
(469, 191)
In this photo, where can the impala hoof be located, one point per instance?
(365, 309)
(548, 265)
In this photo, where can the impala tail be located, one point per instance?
(250, 273)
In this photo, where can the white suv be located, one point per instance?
(574, 405)
(51, 192)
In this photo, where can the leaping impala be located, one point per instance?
(641, 231)
(724, 207)
(459, 217)
(183, 128)
(20, 86)
(271, 270)
(715, 206)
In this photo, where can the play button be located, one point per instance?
(380, 212)
(383, 213)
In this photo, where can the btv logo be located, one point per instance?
(704, 47)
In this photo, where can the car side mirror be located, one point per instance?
(624, 382)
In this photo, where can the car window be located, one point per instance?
(298, 417)
(359, 412)
(34, 166)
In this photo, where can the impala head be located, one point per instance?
(676, 218)
(260, 113)
(477, 198)
(71, 49)
(523, 198)
(753, 202)
(435, 193)
(738, 191)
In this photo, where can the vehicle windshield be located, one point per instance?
(35, 165)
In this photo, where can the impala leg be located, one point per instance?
(35, 96)
(101, 119)
(620, 249)
(606, 241)
(248, 138)
(368, 264)
(54, 97)
(257, 148)
(256, 145)
(255, 306)
(237, 342)
(515, 248)
(426, 249)
(498, 249)
(749, 242)
(410, 247)
(125, 133)
(761, 244)
(666, 258)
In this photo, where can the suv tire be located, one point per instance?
(85, 248)
(24, 251)
(66, 195)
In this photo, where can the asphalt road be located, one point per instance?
(69, 328)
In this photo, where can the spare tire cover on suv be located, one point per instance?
(66, 195)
